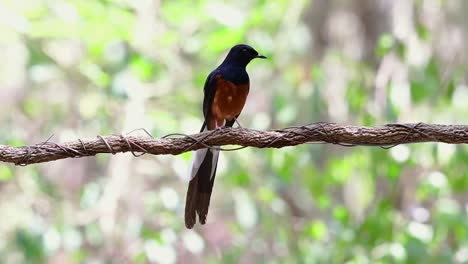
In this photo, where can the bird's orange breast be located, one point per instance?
(228, 101)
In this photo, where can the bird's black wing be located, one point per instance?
(209, 91)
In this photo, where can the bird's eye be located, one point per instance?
(244, 50)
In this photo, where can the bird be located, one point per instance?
(225, 92)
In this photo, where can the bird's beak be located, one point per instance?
(260, 56)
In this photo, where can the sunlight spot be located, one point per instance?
(437, 179)
(461, 256)
(66, 11)
(445, 152)
(400, 153)
(448, 206)
(181, 168)
(460, 97)
(227, 15)
(261, 121)
(287, 114)
(193, 242)
(393, 249)
(52, 240)
(157, 253)
(115, 52)
(420, 214)
(168, 236)
(222, 165)
(89, 104)
(421, 231)
(41, 73)
(246, 213)
(278, 206)
(72, 239)
(400, 94)
(397, 251)
(169, 197)
(418, 53)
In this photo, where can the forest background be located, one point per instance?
(76, 69)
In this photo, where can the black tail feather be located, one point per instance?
(199, 192)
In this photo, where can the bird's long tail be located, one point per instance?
(202, 175)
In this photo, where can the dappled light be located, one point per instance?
(77, 69)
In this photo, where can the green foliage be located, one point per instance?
(31, 245)
(75, 69)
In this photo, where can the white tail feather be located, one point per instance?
(196, 161)
(197, 158)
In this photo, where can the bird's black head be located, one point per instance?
(242, 54)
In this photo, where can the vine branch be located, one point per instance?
(384, 136)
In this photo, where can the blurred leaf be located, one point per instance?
(385, 44)
(32, 107)
(242, 179)
(148, 233)
(44, 184)
(286, 166)
(30, 245)
(94, 234)
(450, 89)
(140, 258)
(266, 194)
(356, 97)
(5, 173)
(394, 170)
(143, 68)
(317, 230)
(323, 201)
(423, 31)
(427, 84)
(356, 205)
(417, 251)
(341, 214)
(317, 73)
(401, 49)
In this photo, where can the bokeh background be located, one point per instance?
(76, 69)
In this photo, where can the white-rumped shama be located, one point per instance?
(226, 90)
